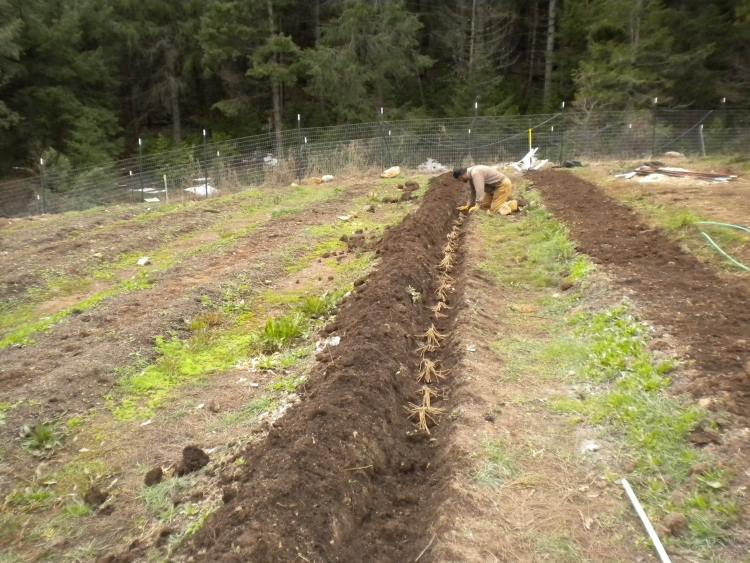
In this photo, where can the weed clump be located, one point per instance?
(279, 333)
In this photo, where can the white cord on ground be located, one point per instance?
(646, 522)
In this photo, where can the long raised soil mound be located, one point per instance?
(344, 477)
(680, 293)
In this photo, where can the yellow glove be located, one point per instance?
(463, 208)
(472, 209)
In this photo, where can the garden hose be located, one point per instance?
(717, 247)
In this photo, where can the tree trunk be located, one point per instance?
(174, 109)
(316, 21)
(549, 54)
(532, 47)
(473, 33)
(275, 87)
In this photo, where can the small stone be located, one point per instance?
(144, 261)
(213, 406)
(153, 477)
(370, 208)
(590, 446)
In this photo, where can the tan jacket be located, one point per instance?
(483, 179)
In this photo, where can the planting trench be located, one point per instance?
(346, 475)
(679, 293)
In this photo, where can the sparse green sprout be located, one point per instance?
(498, 465)
(41, 439)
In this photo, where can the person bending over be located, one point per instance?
(495, 186)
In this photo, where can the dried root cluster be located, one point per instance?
(430, 372)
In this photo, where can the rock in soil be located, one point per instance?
(153, 477)
(193, 458)
(95, 497)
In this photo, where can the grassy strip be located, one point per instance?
(622, 386)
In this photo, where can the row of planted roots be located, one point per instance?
(423, 413)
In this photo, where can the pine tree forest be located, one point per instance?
(82, 80)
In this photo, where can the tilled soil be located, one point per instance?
(71, 249)
(344, 476)
(70, 368)
(679, 293)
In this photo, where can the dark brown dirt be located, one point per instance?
(679, 293)
(193, 459)
(344, 476)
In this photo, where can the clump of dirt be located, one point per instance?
(678, 292)
(153, 477)
(193, 459)
(344, 476)
(95, 497)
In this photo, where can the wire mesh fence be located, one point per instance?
(278, 159)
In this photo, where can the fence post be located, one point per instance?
(703, 143)
(653, 128)
(723, 123)
(217, 179)
(140, 165)
(299, 148)
(43, 181)
(385, 140)
(205, 165)
(562, 132)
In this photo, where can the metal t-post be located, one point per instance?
(723, 123)
(299, 148)
(653, 128)
(385, 139)
(205, 165)
(562, 132)
(43, 181)
(140, 166)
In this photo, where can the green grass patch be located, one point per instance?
(534, 250)
(42, 439)
(280, 332)
(654, 426)
(31, 499)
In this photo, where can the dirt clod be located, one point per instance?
(193, 458)
(153, 477)
(704, 437)
(95, 497)
(675, 524)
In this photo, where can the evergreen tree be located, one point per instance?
(10, 51)
(368, 57)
